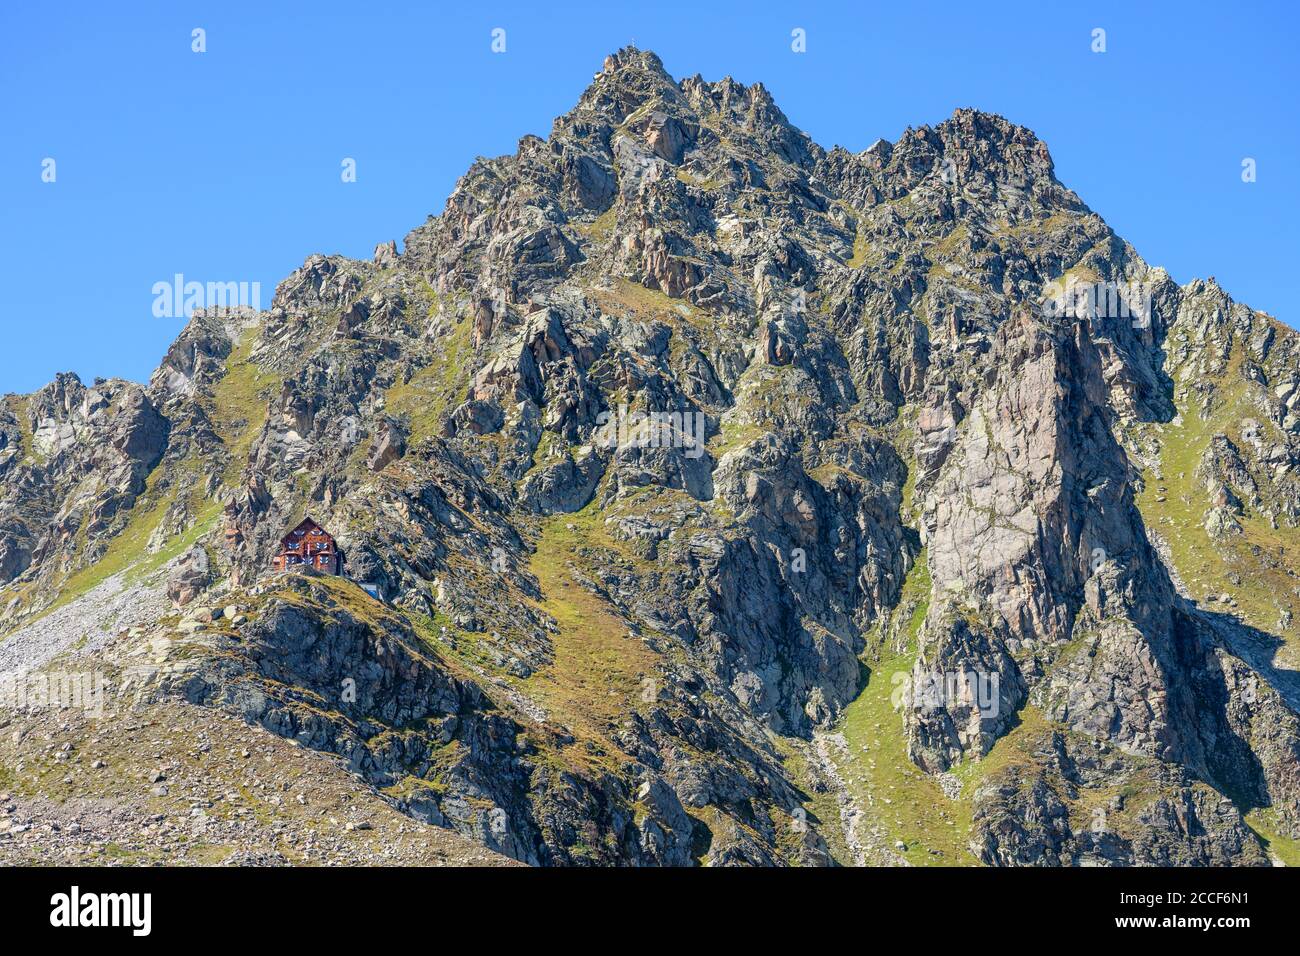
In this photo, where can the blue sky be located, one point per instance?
(225, 165)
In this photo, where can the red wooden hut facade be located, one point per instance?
(309, 545)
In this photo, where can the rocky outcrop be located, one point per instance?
(78, 462)
(357, 681)
(190, 578)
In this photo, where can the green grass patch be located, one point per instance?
(1174, 502)
(821, 810)
(435, 390)
(907, 803)
(239, 403)
(1267, 827)
(903, 800)
(599, 228)
(18, 407)
(600, 669)
(861, 249)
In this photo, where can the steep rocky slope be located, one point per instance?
(884, 460)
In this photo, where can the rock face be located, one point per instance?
(191, 578)
(668, 446)
(74, 461)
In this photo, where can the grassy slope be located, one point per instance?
(437, 388)
(906, 802)
(1205, 565)
(601, 671)
(239, 403)
(1264, 823)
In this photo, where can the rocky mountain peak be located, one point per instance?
(712, 491)
(632, 60)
